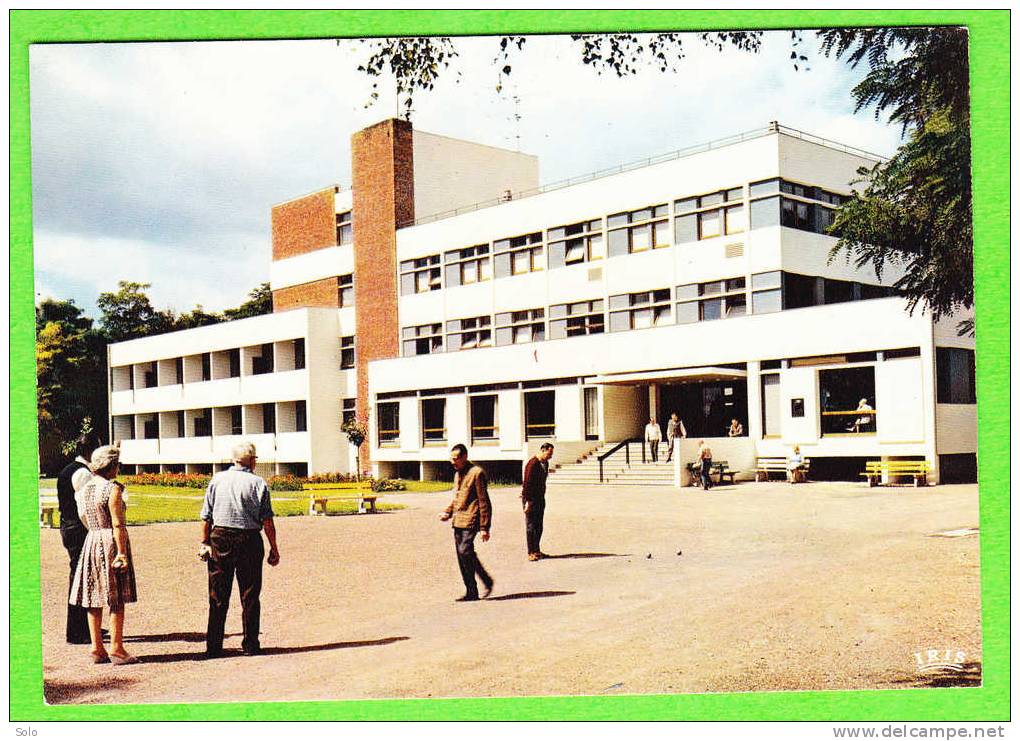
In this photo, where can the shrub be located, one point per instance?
(332, 478)
(388, 485)
(286, 483)
(179, 480)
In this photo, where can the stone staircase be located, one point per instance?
(615, 469)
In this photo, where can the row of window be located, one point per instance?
(723, 212)
(202, 422)
(205, 367)
(692, 302)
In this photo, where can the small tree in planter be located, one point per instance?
(356, 435)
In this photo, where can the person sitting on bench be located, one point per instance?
(795, 466)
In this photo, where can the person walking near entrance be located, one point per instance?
(674, 429)
(653, 436)
(705, 459)
(237, 508)
(471, 513)
(533, 499)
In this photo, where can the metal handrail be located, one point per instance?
(626, 446)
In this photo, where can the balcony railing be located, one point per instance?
(849, 422)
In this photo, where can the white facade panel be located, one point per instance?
(292, 446)
(451, 173)
(899, 401)
(311, 266)
(511, 421)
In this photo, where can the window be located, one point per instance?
(433, 421)
(388, 414)
(179, 426)
(300, 416)
(422, 340)
(268, 418)
(576, 243)
(179, 370)
(469, 265)
(263, 362)
(640, 310)
(954, 368)
(518, 255)
(235, 421)
(346, 290)
(637, 231)
(299, 353)
(206, 366)
(420, 275)
(719, 299)
(847, 401)
(349, 411)
(771, 405)
(346, 352)
(795, 212)
(725, 215)
(344, 228)
(203, 423)
(234, 359)
(539, 414)
(484, 418)
(576, 319)
(149, 376)
(838, 291)
(467, 334)
(518, 327)
(767, 292)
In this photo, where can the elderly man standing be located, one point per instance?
(237, 506)
(471, 512)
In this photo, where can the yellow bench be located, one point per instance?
(319, 496)
(875, 471)
(47, 511)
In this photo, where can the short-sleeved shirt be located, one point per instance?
(237, 498)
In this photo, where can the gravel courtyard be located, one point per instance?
(747, 587)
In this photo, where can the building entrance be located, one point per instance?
(706, 407)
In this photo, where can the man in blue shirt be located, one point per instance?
(237, 506)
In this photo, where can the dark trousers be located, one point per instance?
(533, 521)
(653, 448)
(77, 617)
(237, 552)
(467, 559)
(706, 468)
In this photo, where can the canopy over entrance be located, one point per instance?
(672, 375)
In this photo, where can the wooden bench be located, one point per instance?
(875, 471)
(719, 468)
(765, 466)
(47, 511)
(319, 496)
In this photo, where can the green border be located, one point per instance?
(990, 122)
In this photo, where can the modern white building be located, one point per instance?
(447, 297)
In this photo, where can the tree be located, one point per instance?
(356, 436)
(128, 314)
(197, 317)
(71, 377)
(913, 211)
(260, 301)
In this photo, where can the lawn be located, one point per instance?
(148, 504)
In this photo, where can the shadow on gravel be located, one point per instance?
(192, 637)
(58, 691)
(528, 595)
(970, 676)
(586, 555)
(272, 651)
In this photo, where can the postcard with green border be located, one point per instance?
(989, 68)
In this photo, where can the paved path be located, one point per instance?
(809, 587)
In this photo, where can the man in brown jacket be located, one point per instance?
(533, 498)
(471, 513)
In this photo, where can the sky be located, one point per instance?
(159, 162)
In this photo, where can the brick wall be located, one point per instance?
(323, 293)
(304, 224)
(382, 166)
